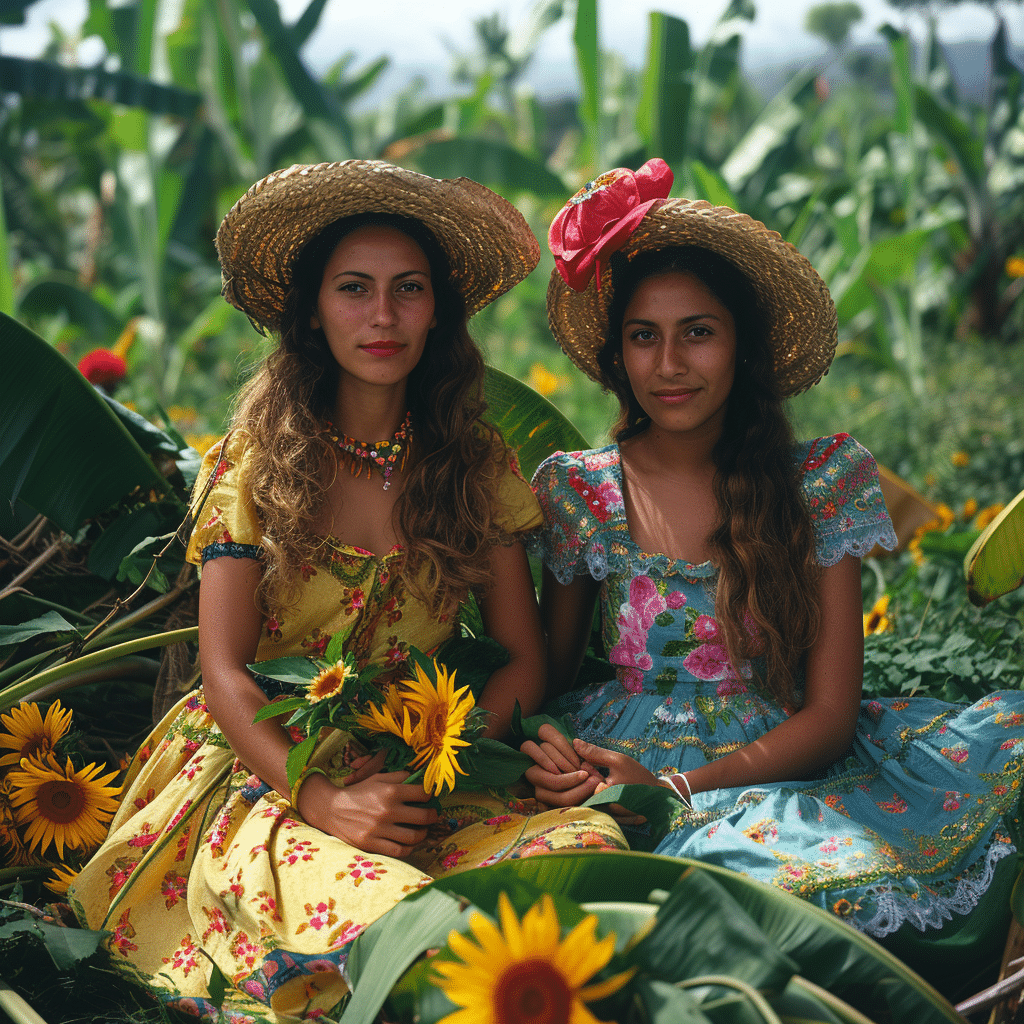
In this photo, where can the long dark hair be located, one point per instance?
(763, 541)
(445, 513)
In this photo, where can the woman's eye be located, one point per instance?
(700, 331)
(351, 286)
(643, 334)
(410, 286)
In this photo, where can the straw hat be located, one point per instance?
(488, 243)
(625, 212)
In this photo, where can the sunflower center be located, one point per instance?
(60, 801)
(437, 726)
(533, 992)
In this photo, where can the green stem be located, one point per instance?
(63, 609)
(724, 981)
(16, 1008)
(13, 694)
(22, 667)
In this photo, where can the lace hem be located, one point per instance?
(893, 909)
(857, 540)
(231, 550)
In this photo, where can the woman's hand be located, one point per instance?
(373, 811)
(567, 774)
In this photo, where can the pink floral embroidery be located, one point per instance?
(634, 623)
(675, 599)
(320, 916)
(123, 934)
(705, 628)
(173, 888)
(956, 754)
(952, 801)
(243, 948)
(184, 958)
(346, 934)
(601, 500)
(302, 849)
(361, 869)
(709, 661)
(452, 859)
(218, 923)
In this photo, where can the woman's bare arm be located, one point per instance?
(510, 616)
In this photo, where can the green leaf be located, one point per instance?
(713, 186)
(66, 946)
(55, 83)
(663, 113)
(276, 708)
(495, 764)
(588, 62)
(663, 1003)
(529, 728)
(772, 129)
(658, 804)
(121, 537)
(379, 956)
(335, 651)
(528, 422)
(496, 164)
(56, 426)
(298, 758)
(52, 293)
(902, 82)
(964, 146)
(994, 566)
(288, 670)
(50, 622)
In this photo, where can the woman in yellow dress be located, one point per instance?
(367, 273)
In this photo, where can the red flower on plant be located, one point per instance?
(102, 367)
(601, 216)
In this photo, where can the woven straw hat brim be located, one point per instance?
(799, 312)
(488, 242)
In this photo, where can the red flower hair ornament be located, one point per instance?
(601, 216)
(102, 367)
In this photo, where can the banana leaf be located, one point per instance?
(663, 113)
(714, 927)
(43, 78)
(496, 164)
(994, 566)
(529, 422)
(63, 451)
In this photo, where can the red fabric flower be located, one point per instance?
(102, 367)
(601, 216)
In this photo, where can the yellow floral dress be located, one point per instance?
(205, 864)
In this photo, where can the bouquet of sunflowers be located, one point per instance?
(424, 724)
(54, 810)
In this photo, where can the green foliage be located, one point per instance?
(833, 21)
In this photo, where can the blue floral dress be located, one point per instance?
(907, 827)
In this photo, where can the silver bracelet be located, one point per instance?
(671, 780)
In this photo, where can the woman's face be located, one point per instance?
(376, 305)
(679, 353)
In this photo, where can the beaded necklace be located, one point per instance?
(384, 454)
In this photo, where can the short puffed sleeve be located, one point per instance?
(581, 499)
(844, 497)
(516, 507)
(225, 517)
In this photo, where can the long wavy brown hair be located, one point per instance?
(445, 513)
(763, 541)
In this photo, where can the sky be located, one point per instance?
(414, 32)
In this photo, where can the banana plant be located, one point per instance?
(994, 565)
(702, 943)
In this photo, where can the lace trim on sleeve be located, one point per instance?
(232, 550)
(857, 541)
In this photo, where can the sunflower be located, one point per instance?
(61, 805)
(30, 733)
(63, 876)
(442, 712)
(329, 682)
(388, 717)
(523, 974)
(877, 620)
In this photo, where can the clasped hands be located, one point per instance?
(568, 773)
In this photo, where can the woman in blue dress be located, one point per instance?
(726, 558)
